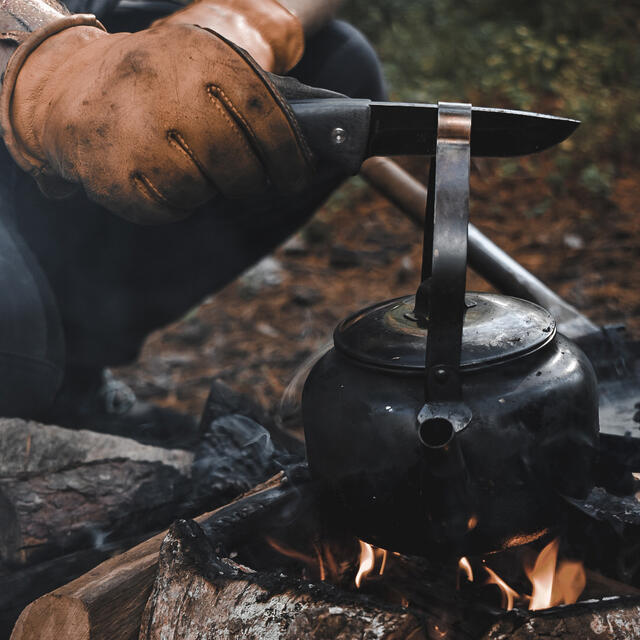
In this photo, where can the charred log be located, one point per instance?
(196, 594)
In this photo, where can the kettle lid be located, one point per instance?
(496, 328)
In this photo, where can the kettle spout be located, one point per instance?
(445, 481)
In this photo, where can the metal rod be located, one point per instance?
(484, 256)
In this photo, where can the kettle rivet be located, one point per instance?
(441, 375)
(338, 135)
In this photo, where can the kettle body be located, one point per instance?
(533, 432)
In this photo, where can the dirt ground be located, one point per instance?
(359, 249)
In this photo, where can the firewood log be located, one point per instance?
(61, 490)
(107, 602)
(614, 618)
(198, 595)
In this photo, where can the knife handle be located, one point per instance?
(336, 129)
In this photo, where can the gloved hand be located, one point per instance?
(151, 124)
(270, 33)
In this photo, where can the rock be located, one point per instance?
(573, 241)
(267, 273)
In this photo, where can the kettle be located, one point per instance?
(450, 420)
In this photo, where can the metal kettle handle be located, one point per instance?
(440, 299)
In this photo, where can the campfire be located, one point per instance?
(553, 581)
(272, 558)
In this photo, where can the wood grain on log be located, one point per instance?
(198, 595)
(616, 618)
(61, 490)
(107, 603)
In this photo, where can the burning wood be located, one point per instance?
(301, 586)
(553, 582)
(108, 601)
(197, 594)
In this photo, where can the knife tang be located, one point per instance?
(337, 130)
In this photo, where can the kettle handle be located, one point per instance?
(440, 299)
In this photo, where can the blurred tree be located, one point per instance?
(578, 58)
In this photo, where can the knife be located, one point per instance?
(346, 131)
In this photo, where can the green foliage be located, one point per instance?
(597, 179)
(578, 58)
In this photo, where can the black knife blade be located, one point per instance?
(407, 129)
(348, 131)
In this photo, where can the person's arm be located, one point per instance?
(272, 31)
(313, 14)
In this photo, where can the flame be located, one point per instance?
(367, 560)
(323, 573)
(465, 566)
(509, 595)
(554, 583)
(325, 566)
(383, 564)
(369, 556)
(292, 553)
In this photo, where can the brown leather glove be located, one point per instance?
(264, 28)
(151, 124)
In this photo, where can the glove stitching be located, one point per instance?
(176, 140)
(148, 189)
(233, 116)
(302, 145)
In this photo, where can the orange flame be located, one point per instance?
(465, 566)
(323, 562)
(369, 556)
(367, 560)
(292, 553)
(509, 595)
(554, 583)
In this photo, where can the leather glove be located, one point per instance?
(151, 124)
(270, 33)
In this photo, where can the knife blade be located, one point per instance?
(347, 131)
